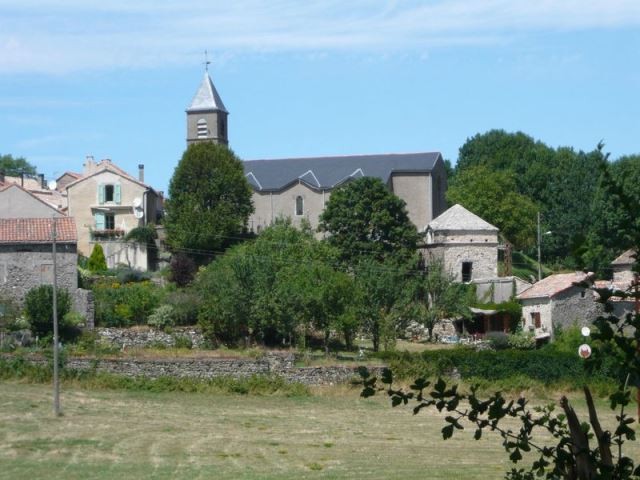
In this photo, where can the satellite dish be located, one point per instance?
(138, 213)
(52, 184)
(137, 202)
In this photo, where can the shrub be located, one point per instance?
(97, 263)
(185, 303)
(182, 341)
(129, 275)
(162, 317)
(497, 340)
(183, 269)
(123, 305)
(39, 311)
(522, 341)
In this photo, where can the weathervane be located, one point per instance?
(206, 62)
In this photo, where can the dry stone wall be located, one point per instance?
(128, 337)
(206, 368)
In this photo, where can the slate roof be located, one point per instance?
(330, 172)
(459, 218)
(37, 230)
(626, 258)
(553, 285)
(206, 98)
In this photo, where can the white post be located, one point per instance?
(56, 341)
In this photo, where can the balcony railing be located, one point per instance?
(107, 235)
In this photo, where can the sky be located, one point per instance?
(112, 78)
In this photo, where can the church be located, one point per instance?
(299, 188)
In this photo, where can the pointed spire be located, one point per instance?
(207, 98)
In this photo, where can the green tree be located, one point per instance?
(380, 294)
(363, 218)
(209, 199)
(492, 195)
(435, 296)
(614, 222)
(38, 308)
(14, 166)
(97, 262)
(273, 289)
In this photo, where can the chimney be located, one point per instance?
(89, 165)
(43, 184)
(141, 173)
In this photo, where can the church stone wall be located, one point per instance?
(483, 257)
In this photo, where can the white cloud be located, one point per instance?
(59, 37)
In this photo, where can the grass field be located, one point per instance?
(107, 434)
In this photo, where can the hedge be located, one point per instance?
(543, 365)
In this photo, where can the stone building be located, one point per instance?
(556, 301)
(107, 203)
(26, 259)
(298, 188)
(465, 243)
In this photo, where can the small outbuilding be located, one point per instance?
(557, 301)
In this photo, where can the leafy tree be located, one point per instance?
(364, 218)
(97, 262)
(435, 296)
(273, 289)
(209, 199)
(614, 223)
(381, 305)
(38, 308)
(492, 196)
(14, 166)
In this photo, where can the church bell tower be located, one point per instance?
(207, 116)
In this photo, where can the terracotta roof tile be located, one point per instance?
(554, 284)
(37, 230)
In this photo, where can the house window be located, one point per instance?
(109, 221)
(299, 205)
(535, 319)
(109, 193)
(202, 128)
(467, 269)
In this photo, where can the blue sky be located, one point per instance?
(113, 78)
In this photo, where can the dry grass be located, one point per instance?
(334, 434)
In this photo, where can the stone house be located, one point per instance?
(556, 301)
(465, 243)
(299, 188)
(26, 259)
(624, 279)
(107, 203)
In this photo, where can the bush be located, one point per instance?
(131, 275)
(522, 341)
(186, 304)
(97, 263)
(497, 340)
(123, 305)
(183, 269)
(39, 311)
(162, 317)
(182, 341)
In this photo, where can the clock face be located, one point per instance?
(584, 350)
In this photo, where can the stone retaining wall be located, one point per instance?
(128, 337)
(205, 368)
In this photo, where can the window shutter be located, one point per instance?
(116, 193)
(99, 217)
(101, 193)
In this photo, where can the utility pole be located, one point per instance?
(539, 254)
(56, 374)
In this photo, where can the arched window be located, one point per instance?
(299, 206)
(202, 128)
